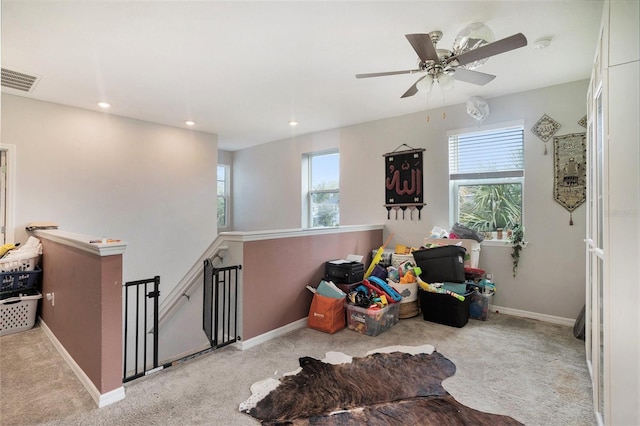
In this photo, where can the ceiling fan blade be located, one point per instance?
(423, 46)
(413, 89)
(473, 77)
(380, 74)
(504, 45)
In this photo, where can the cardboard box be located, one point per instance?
(372, 321)
(445, 309)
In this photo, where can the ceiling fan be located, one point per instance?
(444, 66)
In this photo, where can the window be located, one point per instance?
(322, 204)
(223, 196)
(486, 175)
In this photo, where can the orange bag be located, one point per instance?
(327, 314)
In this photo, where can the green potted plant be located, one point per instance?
(517, 244)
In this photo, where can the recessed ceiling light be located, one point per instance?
(190, 123)
(103, 105)
(293, 123)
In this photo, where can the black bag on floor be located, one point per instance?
(579, 327)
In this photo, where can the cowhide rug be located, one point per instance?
(389, 386)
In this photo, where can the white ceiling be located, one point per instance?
(242, 69)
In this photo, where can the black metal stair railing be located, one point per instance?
(220, 304)
(219, 318)
(140, 297)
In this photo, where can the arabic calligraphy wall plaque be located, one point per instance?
(545, 128)
(570, 171)
(403, 181)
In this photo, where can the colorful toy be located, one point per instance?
(408, 278)
(387, 290)
(393, 274)
(377, 257)
(428, 287)
(4, 249)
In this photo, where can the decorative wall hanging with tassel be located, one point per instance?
(544, 129)
(570, 171)
(403, 181)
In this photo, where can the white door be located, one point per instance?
(7, 185)
(594, 314)
(3, 195)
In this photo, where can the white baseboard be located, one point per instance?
(110, 397)
(101, 399)
(533, 315)
(301, 323)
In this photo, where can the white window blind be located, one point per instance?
(489, 154)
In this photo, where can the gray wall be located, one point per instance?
(267, 191)
(94, 173)
(154, 186)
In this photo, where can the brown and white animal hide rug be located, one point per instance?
(388, 388)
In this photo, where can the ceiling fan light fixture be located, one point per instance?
(440, 65)
(425, 84)
(445, 80)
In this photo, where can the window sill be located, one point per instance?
(500, 243)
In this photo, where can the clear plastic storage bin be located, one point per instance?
(372, 321)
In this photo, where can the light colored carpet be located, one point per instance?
(532, 371)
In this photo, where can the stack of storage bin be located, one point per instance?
(444, 264)
(19, 297)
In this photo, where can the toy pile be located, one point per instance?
(406, 274)
(372, 306)
(403, 278)
(373, 293)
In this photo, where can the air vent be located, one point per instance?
(19, 81)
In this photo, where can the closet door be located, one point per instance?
(595, 312)
(598, 262)
(595, 291)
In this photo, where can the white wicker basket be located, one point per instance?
(397, 259)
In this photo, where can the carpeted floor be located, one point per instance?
(532, 371)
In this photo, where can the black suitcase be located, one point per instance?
(340, 271)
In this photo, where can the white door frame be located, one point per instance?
(10, 184)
